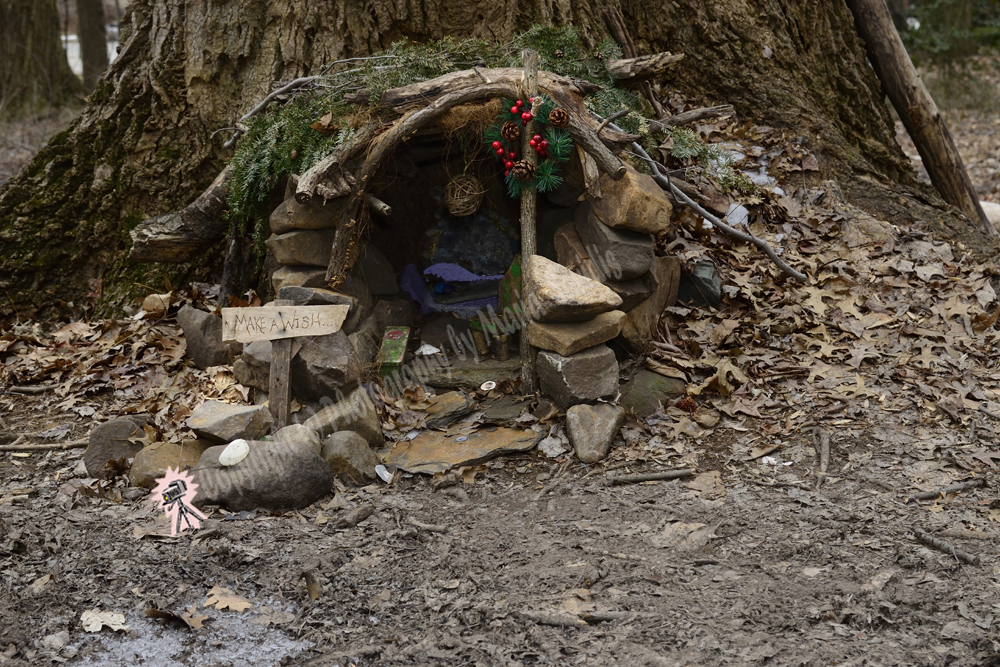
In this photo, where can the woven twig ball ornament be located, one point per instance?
(463, 195)
(558, 117)
(523, 170)
(510, 131)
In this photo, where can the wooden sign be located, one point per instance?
(247, 325)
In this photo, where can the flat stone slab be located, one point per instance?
(625, 254)
(431, 452)
(471, 375)
(647, 390)
(291, 215)
(315, 296)
(355, 413)
(555, 294)
(447, 408)
(304, 276)
(224, 422)
(572, 337)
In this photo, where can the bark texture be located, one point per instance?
(93, 41)
(144, 146)
(34, 72)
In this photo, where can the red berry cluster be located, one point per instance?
(525, 115)
(540, 145)
(507, 156)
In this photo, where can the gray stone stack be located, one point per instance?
(611, 240)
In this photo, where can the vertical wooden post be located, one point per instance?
(916, 109)
(279, 396)
(528, 203)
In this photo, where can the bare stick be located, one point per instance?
(378, 206)
(954, 488)
(528, 202)
(355, 516)
(610, 119)
(944, 547)
(553, 620)
(664, 182)
(429, 527)
(649, 477)
(823, 437)
(37, 389)
(694, 115)
(41, 448)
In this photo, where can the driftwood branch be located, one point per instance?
(176, 237)
(954, 488)
(917, 110)
(643, 67)
(615, 23)
(666, 183)
(944, 547)
(694, 115)
(15, 447)
(379, 206)
(650, 477)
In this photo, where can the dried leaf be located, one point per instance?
(93, 620)
(222, 598)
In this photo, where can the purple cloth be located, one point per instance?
(453, 273)
(413, 284)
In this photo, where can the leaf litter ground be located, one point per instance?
(760, 557)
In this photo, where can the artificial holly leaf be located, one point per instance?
(222, 598)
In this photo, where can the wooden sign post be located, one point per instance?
(280, 323)
(528, 199)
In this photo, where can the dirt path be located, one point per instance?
(747, 564)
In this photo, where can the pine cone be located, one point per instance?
(598, 55)
(558, 117)
(510, 131)
(523, 171)
(559, 53)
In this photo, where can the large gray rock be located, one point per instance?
(580, 378)
(298, 433)
(634, 202)
(571, 337)
(291, 215)
(153, 460)
(274, 475)
(556, 294)
(253, 368)
(304, 276)
(224, 422)
(647, 391)
(703, 286)
(324, 366)
(347, 453)
(364, 303)
(365, 341)
(302, 247)
(592, 428)
(571, 253)
(110, 442)
(203, 334)
(627, 254)
(376, 271)
(354, 413)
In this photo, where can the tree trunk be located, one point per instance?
(34, 72)
(145, 144)
(93, 40)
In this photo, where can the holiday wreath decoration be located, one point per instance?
(552, 143)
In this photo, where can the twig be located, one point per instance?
(288, 87)
(664, 182)
(555, 480)
(553, 620)
(429, 527)
(602, 616)
(986, 411)
(649, 477)
(34, 389)
(954, 488)
(610, 119)
(41, 448)
(944, 547)
(823, 438)
(617, 466)
(355, 516)
(694, 115)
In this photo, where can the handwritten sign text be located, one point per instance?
(276, 322)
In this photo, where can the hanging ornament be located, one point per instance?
(558, 117)
(523, 171)
(510, 131)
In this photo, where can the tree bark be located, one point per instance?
(93, 40)
(917, 110)
(34, 72)
(145, 145)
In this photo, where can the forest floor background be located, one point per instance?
(761, 558)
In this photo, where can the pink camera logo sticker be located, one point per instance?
(177, 490)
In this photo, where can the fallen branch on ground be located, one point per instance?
(35, 389)
(553, 620)
(650, 477)
(429, 527)
(944, 547)
(354, 517)
(954, 488)
(41, 448)
(693, 116)
(823, 440)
